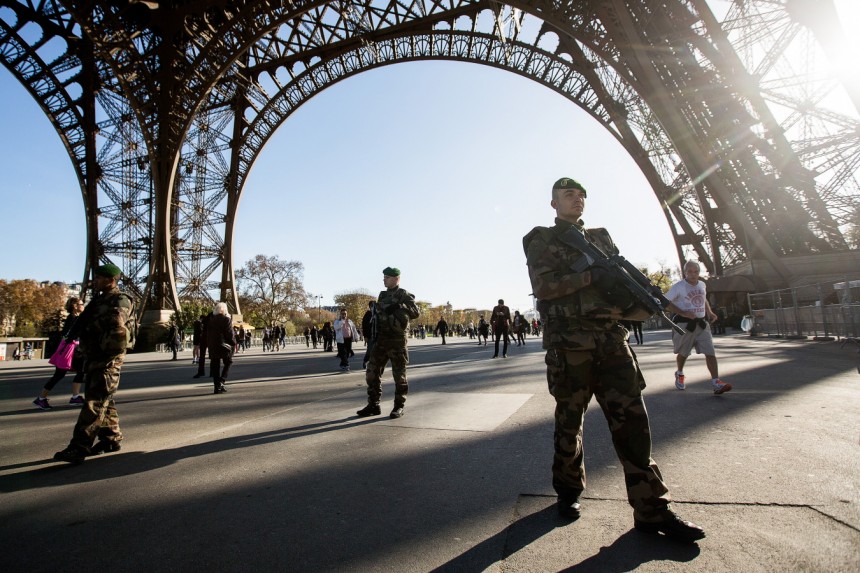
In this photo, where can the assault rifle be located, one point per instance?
(374, 319)
(644, 293)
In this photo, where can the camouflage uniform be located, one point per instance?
(104, 340)
(587, 354)
(395, 307)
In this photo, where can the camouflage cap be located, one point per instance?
(109, 270)
(568, 183)
(391, 272)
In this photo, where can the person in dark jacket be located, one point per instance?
(173, 339)
(328, 337)
(501, 318)
(221, 340)
(74, 306)
(368, 332)
(197, 340)
(442, 328)
(201, 362)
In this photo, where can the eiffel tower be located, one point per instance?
(163, 108)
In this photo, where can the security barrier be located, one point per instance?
(821, 310)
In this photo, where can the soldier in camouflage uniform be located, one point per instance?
(394, 308)
(106, 332)
(587, 355)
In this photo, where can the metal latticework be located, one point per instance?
(165, 106)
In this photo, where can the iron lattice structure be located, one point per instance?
(164, 107)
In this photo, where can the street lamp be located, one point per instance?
(319, 298)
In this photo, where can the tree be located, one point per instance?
(355, 303)
(191, 311)
(270, 288)
(34, 306)
(424, 309)
(664, 277)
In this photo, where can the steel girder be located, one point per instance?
(186, 94)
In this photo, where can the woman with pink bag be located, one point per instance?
(74, 306)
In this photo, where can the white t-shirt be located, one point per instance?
(689, 297)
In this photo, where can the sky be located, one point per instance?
(437, 168)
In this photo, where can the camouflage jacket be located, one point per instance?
(570, 309)
(104, 332)
(394, 307)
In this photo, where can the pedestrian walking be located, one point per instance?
(690, 303)
(201, 362)
(345, 332)
(483, 330)
(501, 318)
(221, 340)
(520, 326)
(442, 328)
(173, 339)
(74, 306)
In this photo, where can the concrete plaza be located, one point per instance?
(278, 474)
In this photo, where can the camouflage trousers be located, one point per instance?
(383, 350)
(98, 417)
(604, 367)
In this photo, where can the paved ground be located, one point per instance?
(279, 475)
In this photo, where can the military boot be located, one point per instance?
(672, 526)
(71, 455)
(369, 410)
(104, 447)
(399, 403)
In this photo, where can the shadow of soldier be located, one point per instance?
(629, 551)
(125, 463)
(634, 549)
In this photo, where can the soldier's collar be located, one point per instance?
(562, 226)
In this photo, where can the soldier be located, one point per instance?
(394, 308)
(106, 331)
(587, 354)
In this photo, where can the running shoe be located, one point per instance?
(42, 403)
(679, 381)
(76, 400)
(720, 387)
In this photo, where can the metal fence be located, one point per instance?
(821, 310)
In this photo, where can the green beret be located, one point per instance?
(110, 271)
(568, 183)
(391, 272)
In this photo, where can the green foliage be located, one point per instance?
(32, 305)
(355, 303)
(664, 277)
(25, 329)
(289, 328)
(190, 311)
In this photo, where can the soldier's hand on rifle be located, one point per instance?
(601, 276)
(606, 281)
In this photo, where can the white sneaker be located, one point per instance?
(720, 387)
(679, 381)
